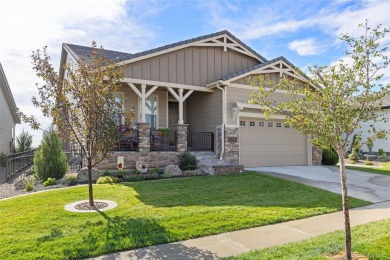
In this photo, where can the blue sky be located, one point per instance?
(305, 32)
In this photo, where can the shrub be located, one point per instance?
(193, 173)
(368, 163)
(354, 156)
(136, 172)
(30, 186)
(187, 162)
(106, 173)
(329, 156)
(50, 161)
(381, 151)
(107, 179)
(120, 174)
(49, 182)
(155, 171)
(70, 179)
(370, 144)
(384, 156)
(3, 160)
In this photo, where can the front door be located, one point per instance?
(173, 114)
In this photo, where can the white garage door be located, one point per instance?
(270, 143)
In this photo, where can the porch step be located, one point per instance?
(209, 163)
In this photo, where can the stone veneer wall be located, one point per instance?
(153, 159)
(316, 156)
(232, 148)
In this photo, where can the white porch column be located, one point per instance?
(143, 96)
(143, 103)
(181, 119)
(180, 98)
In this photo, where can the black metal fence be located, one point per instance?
(18, 163)
(128, 140)
(200, 141)
(74, 155)
(163, 140)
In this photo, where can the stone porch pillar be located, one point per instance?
(316, 156)
(181, 137)
(232, 145)
(143, 137)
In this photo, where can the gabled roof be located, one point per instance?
(258, 66)
(8, 96)
(82, 51)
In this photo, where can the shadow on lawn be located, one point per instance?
(118, 234)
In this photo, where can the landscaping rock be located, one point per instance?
(173, 169)
(82, 175)
(21, 183)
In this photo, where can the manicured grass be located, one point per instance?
(385, 169)
(371, 240)
(153, 212)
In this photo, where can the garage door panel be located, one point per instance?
(271, 146)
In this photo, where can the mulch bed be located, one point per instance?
(86, 206)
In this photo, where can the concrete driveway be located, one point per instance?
(367, 186)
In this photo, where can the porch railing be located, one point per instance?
(162, 140)
(74, 155)
(17, 163)
(128, 140)
(200, 141)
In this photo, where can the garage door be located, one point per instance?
(270, 143)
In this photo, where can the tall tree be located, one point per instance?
(23, 142)
(330, 106)
(81, 104)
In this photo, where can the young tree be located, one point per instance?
(81, 104)
(335, 100)
(23, 142)
(50, 160)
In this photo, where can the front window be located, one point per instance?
(117, 109)
(151, 111)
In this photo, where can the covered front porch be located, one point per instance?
(161, 107)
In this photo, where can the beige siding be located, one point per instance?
(204, 111)
(242, 95)
(246, 80)
(191, 66)
(6, 123)
(132, 101)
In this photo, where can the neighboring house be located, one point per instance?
(199, 87)
(9, 116)
(366, 129)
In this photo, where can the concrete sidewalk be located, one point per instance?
(234, 243)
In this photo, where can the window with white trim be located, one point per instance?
(151, 111)
(117, 108)
(251, 123)
(278, 124)
(270, 124)
(261, 124)
(242, 123)
(286, 126)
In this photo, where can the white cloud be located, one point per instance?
(30, 25)
(306, 47)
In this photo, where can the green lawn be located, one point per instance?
(153, 212)
(371, 240)
(384, 169)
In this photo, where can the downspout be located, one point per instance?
(223, 120)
